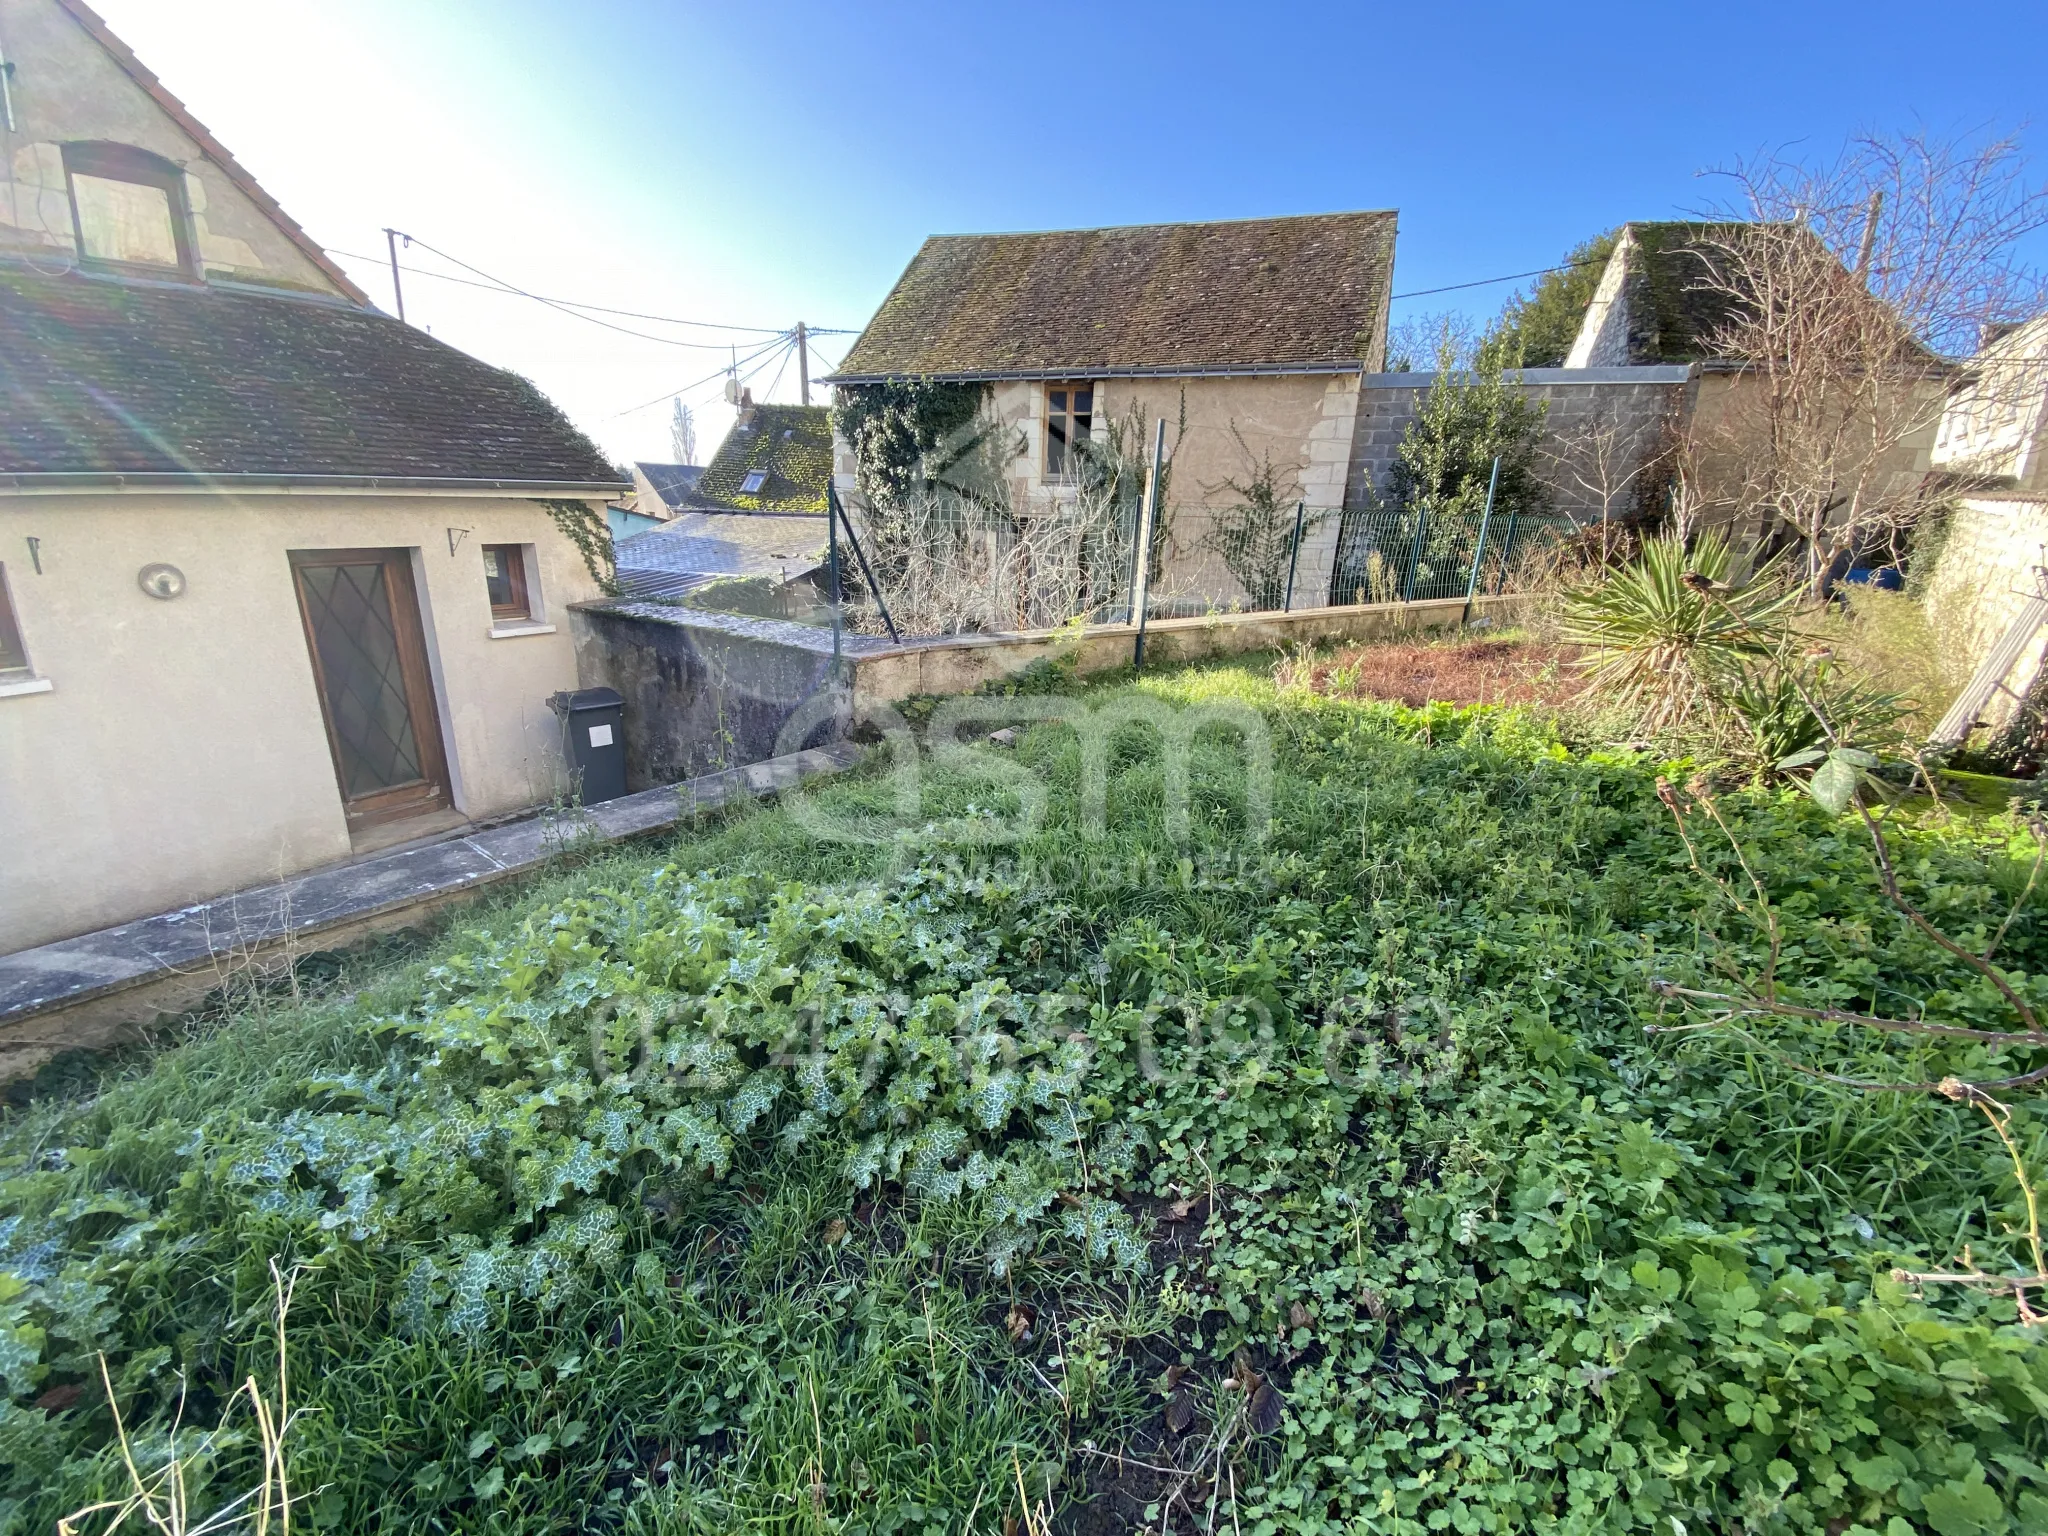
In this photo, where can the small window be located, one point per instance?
(505, 577)
(1069, 419)
(128, 208)
(751, 486)
(13, 654)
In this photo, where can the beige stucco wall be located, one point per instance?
(179, 750)
(66, 88)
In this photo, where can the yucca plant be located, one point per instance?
(1668, 631)
(1788, 703)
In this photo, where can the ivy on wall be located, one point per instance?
(585, 527)
(907, 429)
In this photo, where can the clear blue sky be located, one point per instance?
(761, 162)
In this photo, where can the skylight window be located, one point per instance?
(756, 478)
(127, 207)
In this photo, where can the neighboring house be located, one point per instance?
(660, 491)
(1259, 330)
(698, 548)
(281, 579)
(776, 458)
(1992, 454)
(755, 510)
(1662, 301)
(1656, 302)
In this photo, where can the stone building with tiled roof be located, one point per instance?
(1250, 336)
(282, 579)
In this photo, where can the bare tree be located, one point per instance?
(1613, 462)
(1847, 289)
(682, 434)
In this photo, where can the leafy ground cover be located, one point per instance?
(1317, 1176)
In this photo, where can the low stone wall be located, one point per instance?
(704, 691)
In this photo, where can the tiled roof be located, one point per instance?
(1676, 309)
(789, 445)
(675, 484)
(1253, 294)
(698, 547)
(103, 377)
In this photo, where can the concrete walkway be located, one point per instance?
(94, 990)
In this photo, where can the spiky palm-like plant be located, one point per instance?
(1668, 630)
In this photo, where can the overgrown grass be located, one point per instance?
(1428, 1233)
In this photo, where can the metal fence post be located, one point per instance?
(1141, 575)
(832, 575)
(1293, 559)
(1479, 554)
(834, 508)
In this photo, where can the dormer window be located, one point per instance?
(128, 209)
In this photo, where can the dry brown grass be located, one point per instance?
(1454, 672)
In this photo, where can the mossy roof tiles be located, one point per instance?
(1307, 292)
(791, 445)
(107, 377)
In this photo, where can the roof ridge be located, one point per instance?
(1103, 229)
(97, 29)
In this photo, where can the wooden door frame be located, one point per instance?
(432, 790)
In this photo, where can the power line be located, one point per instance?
(495, 285)
(1591, 261)
(779, 341)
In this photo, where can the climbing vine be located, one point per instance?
(585, 527)
(907, 429)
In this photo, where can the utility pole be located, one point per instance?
(803, 362)
(397, 291)
(1869, 235)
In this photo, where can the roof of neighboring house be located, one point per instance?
(1674, 265)
(1302, 294)
(789, 446)
(213, 149)
(1679, 310)
(675, 484)
(700, 547)
(102, 378)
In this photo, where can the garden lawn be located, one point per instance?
(1319, 1181)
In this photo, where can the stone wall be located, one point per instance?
(703, 691)
(1991, 562)
(1634, 408)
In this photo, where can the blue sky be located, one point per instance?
(758, 163)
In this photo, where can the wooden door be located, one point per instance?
(362, 621)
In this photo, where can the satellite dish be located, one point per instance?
(732, 390)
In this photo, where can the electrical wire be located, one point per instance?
(733, 368)
(556, 305)
(1485, 282)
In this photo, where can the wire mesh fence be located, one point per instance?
(946, 564)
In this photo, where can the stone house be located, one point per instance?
(1255, 333)
(1661, 304)
(282, 580)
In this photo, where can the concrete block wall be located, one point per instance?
(1641, 404)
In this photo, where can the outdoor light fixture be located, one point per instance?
(161, 581)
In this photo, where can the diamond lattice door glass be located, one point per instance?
(362, 625)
